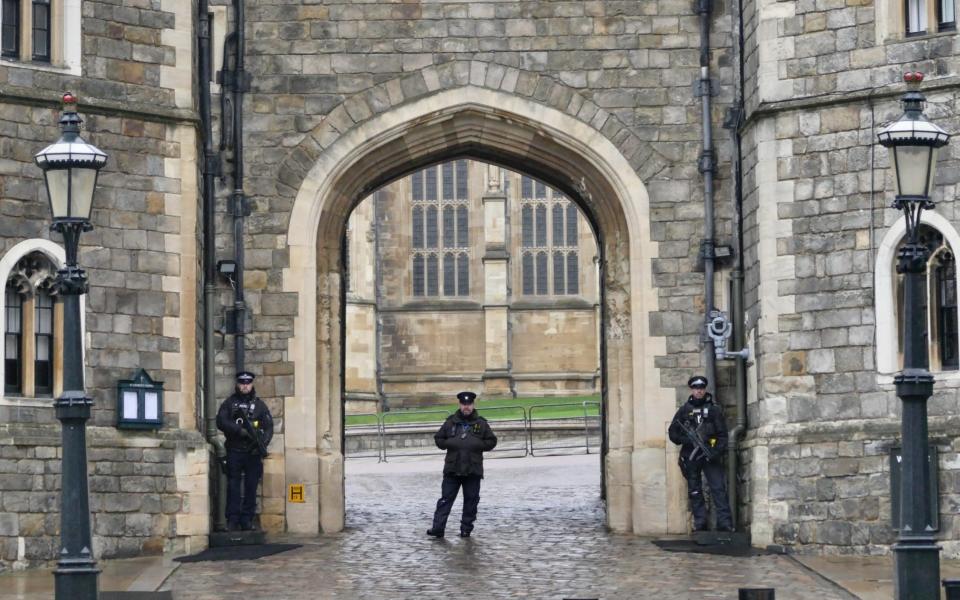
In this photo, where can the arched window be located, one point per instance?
(939, 303)
(31, 328)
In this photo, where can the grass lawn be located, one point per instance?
(492, 410)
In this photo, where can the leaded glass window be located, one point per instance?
(549, 250)
(441, 230)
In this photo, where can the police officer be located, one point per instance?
(248, 426)
(465, 435)
(703, 419)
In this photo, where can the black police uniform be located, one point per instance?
(465, 438)
(706, 417)
(244, 461)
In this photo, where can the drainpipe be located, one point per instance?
(733, 123)
(211, 169)
(241, 83)
(707, 167)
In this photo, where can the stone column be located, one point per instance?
(496, 376)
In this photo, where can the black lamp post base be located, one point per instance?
(917, 569)
(76, 582)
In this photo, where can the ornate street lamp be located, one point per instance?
(914, 142)
(70, 166)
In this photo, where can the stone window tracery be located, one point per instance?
(538, 251)
(30, 327)
(440, 230)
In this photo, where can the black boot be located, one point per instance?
(464, 533)
(437, 533)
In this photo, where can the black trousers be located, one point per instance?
(448, 493)
(244, 471)
(717, 480)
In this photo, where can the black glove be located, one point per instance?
(244, 433)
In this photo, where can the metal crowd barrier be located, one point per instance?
(424, 428)
(508, 419)
(504, 415)
(585, 419)
(378, 428)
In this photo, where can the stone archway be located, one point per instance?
(515, 132)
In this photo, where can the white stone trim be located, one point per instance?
(771, 228)
(58, 257)
(179, 76)
(772, 48)
(888, 346)
(641, 426)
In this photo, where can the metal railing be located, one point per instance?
(562, 442)
(406, 434)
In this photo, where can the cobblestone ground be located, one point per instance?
(539, 534)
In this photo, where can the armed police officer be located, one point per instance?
(248, 426)
(465, 435)
(699, 429)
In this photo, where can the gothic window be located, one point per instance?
(440, 229)
(548, 262)
(30, 328)
(939, 303)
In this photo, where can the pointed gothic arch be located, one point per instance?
(518, 133)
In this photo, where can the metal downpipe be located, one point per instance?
(737, 301)
(707, 167)
(210, 166)
(239, 199)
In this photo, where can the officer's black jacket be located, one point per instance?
(256, 412)
(709, 412)
(465, 452)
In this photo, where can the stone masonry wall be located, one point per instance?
(148, 489)
(319, 68)
(821, 81)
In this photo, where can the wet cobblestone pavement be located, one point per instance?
(539, 534)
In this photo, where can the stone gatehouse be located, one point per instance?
(601, 100)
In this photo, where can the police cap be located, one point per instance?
(697, 381)
(245, 377)
(466, 397)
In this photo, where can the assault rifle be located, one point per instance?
(707, 453)
(244, 422)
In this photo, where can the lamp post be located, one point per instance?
(70, 166)
(913, 142)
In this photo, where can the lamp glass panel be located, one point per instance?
(130, 405)
(58, 188)
(83, 182)
(151, 406)
(912, 164)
